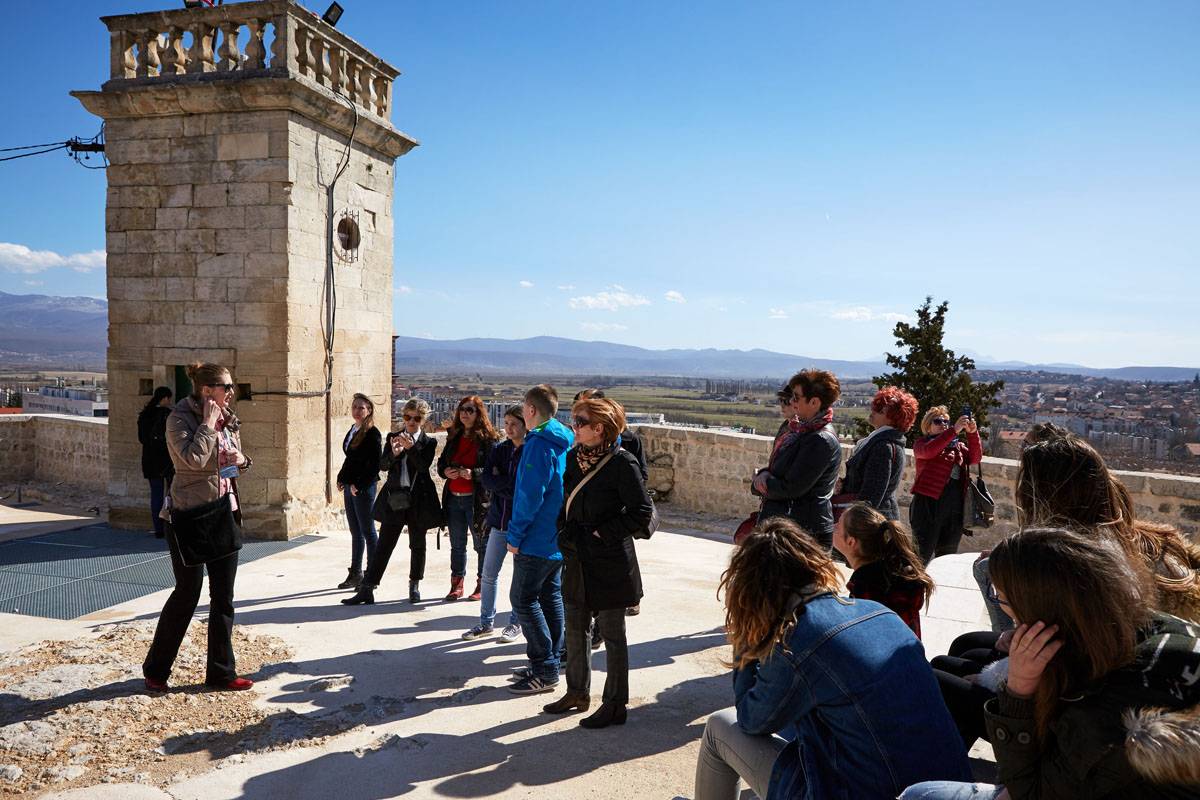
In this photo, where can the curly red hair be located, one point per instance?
(897, 405)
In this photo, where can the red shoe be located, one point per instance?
(477, 594)
(235, 685)
(156, 686)
(456, 588)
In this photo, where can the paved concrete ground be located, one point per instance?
(444, 723)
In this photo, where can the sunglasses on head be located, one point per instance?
(226, 386)
(581, 422)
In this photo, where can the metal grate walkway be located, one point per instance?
(72, 573)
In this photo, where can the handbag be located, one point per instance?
(979, 509)
(399, 497)
(206, 532)
(651, 526)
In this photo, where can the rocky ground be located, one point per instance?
(75, 713)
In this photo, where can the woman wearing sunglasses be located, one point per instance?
(469, 439)
(408, 499)
(206, 450)
(943, 465)
(606, 503)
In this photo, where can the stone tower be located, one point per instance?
(226, 128)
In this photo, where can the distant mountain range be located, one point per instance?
(69, 331)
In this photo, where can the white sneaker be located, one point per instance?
(510, 633)
(478, 632)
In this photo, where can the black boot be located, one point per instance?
(414, 591)
(364, 596)
(607, 714)
(353, 579)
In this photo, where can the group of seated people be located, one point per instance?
(1088, 686)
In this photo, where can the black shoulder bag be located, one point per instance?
(206, 532)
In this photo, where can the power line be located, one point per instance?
(62, 146)
(30, 147)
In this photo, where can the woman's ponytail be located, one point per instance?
(888, 541)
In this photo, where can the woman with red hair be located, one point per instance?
(873, 471)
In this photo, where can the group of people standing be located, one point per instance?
(1087, 686)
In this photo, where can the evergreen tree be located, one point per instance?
(934, 374)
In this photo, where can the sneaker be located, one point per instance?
(533, 685)
(510, 633)
(479, 631)
(521, 673)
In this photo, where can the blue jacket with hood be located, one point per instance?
(538, 491)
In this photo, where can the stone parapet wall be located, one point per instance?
(709, 472)
(53, 449)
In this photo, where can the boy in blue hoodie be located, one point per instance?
(536, 593)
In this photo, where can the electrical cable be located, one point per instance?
(35, 153)
(30, 147)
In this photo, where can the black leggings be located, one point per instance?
(389, 535)
(969, 654)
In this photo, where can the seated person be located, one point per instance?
(847, 675)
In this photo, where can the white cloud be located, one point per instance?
(600, 327)
(865, 314)
(526, 284)
(674, 297)
(35, 283)
(19, 258)
(616, 287)
(608, 301)
(777, 313)
(402, 289)
(570, 287)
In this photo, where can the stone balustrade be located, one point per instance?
(265, 38)
(709, 472)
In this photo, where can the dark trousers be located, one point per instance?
(362, 525)
(158, 491)
(579, 653)
(389, 535)
(177, 614)
(937, 525)
(969, 654)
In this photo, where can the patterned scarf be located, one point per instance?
(796, 428)
(587, 457)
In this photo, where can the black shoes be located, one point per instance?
(607, 714)
(414, 591)
(363, 597)
(353, 579)
(568, 702)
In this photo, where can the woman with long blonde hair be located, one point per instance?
(847, 676)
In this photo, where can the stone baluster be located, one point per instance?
(364, 86)
(231, 56)
(337, 62)
(279, 44)
(256, 52)
(174, 57)
(302, 49)
(383, 91)
(200, 59)
(316, 46)
(147, 61)
(353, 65)
(122, 60)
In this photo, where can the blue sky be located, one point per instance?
(793, 176)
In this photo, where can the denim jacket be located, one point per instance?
(853, 683)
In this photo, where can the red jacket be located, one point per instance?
(934, 461)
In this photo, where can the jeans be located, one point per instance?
(493, 560)
(951, 790)
(579, 653)
(177, 615)
(363, 537)
(728, 753)
(459, 511)
(158, 491)
(536, 598)
(1000, 621)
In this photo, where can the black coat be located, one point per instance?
(633, 443)
(801, 482)
(873, 473)
(600, 566)
(425, 512)
(361, 465)
(152, 433)
(481, 495)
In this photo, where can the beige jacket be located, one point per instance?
(194, 452)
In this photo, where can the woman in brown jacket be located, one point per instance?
(206, 450)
